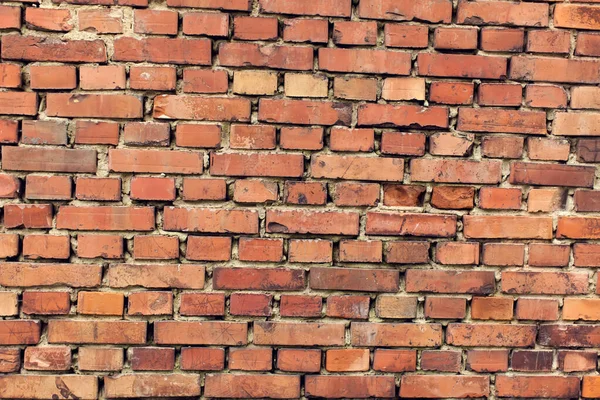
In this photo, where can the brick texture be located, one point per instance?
(299, 199)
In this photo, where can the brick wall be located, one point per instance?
(299, 198)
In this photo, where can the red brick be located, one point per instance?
(151, 49)
(364, 61)
(200, 304)
(9, 245)
(37, 48)
(98, 332)
(152, 359)
(493, 308)
(210, 220)
(11, 75)
(180, 385)
(208, 248)
(9, 131)
(576, 16)
(250, 304)
(152, 78)
(10, 17)
(402, 307)
(150, 303)
(38, 187)
(155, 247)
(155, 22)
(315, 222)
(255, 28)
(502, 13)
(298, 334)
(507, 227)
(44, 386)
(258, 278)
(310, 251)
(343, 139)
(100, 359)
(430, 10)
(304, 112)
(348, 307)
(200, 332)
(538, 386)
(457, 253)
(93, 105)
(402, 116)
(105, 218)
(305, 30)
(96, 246)
(28, 216)
(441, 360)
(550, 69)
(504, 40)
(146, 134)
(300, 306)
(356, 194)
(434, 386)
(500, 198)
(412, 144)
(100, 303)
(537, 309)
(259, 249)
(91, 132)
(185, 276)
(587, 44)
(455, 38)
(18, 103)
(204, 81)
(202, 358)
(101, 20)
(240, 54)
(445, 307)
(253, 386)
(455, 171)
(354, 279)
(544, 282)
(491, 335)
(487, 360)
(47, 246)
(395, 335)
(254, 191)
(355, 33)
(209, 24)
(462, 66)
(106, 77)
(150, 188)
(299, 360)
(357, 168)
(389, 360)
(407, 252)
(475, 282)
(251, 359)
(198, 135)
(351, 88)
(157, 161)
(502, 146)
(99, 189)
(347, 360)
(46, 303)
(411, 36)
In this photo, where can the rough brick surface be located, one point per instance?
(299, 199)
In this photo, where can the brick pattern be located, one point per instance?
(286, 199)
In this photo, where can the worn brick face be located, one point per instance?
(286, 198)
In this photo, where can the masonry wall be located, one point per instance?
(299, 198)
